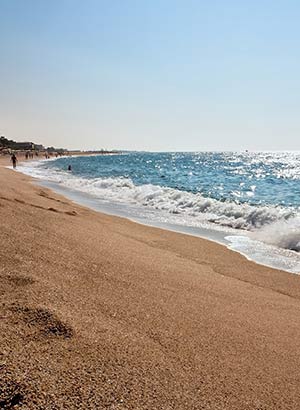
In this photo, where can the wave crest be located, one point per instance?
(196, 206)
(283, 234)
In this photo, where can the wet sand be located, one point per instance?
(98, 312)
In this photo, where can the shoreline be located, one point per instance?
(103, 312)
(239, 241)
(217, 236)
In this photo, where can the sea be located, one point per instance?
(248, 201)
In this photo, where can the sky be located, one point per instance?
(156, 75)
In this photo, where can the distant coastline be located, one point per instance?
(7, 147)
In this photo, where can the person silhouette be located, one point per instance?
(14, 160)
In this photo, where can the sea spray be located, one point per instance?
(283, 234)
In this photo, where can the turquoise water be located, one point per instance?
(253, 178)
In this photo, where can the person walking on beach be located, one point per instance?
(14, 160)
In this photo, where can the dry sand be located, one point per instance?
(98, 312)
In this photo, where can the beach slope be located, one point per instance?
(99, 312)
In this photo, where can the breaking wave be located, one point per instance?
(272, 224)
(283, 234)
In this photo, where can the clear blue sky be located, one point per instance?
(151, 74)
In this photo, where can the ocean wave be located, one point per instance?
(261, 219)
(283, 234)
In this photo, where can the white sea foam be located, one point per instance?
(284, 234)
(195, 206)
(265, 254)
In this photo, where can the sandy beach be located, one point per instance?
(98, 312)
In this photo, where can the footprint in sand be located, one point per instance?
(46, 323)
(11, 393)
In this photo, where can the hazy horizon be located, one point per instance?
(158, 76)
